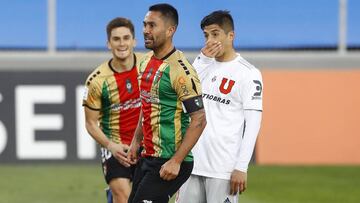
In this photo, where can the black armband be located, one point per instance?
(193, 104)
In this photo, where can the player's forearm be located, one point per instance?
(192, 134)
(253, 121)
(138, 135)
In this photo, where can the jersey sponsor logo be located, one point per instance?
(216, 99)
(148, 98)
(147, 201)
(129, 104)
(129, 86)
(182, 83)
(226, 90)
(185, 91)
(257, 94)
(213, 79)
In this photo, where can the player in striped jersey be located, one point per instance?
(232, 93)
(170, 95)
(112, 100)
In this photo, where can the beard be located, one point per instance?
(153, 43)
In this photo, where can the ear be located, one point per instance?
(170, 31)
(231, 35)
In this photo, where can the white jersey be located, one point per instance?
(229, 88)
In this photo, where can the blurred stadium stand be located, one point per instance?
(259, 24)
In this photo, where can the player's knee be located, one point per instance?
(120, 193)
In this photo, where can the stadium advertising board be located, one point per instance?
(42, 117)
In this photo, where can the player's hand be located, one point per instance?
(169, 170)
(132, 155)
(238, 182)
(119, 151)
(211, 48)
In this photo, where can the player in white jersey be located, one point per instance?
(232, 96)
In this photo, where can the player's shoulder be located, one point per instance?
(138, 58)
(147, 55)
(142, 59)
(179, 62)
(245, 67)
(138, 55)
(97, 74)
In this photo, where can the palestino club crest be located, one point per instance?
(129, 86)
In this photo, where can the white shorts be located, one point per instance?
(200, 189)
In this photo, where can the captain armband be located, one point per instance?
(193, 104)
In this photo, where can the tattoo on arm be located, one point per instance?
(199, 118)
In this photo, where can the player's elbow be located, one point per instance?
(90, 126)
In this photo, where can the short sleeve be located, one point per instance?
(252, 91)
(92, 95)
(188, 88)
(187, 83)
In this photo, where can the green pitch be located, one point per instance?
(267, 184)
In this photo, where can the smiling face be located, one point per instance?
(214, 32)
(156, 30)
(121, 43)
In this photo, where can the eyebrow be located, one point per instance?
(215, 30)
(148, 22)
(212, 30)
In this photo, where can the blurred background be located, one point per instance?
(308, 52)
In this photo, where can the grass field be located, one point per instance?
(267, 184)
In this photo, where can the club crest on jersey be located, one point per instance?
(230, 85)
(149, 74)
(157, 76)
(129, 86)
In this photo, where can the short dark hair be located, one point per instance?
(221, 18)
(119, 22)
(168, 11)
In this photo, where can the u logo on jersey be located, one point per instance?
(229, 86)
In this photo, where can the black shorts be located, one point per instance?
(113, 169)
(147, 184)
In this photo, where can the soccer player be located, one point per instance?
(232, 94)
(112, 100)
(170, 95)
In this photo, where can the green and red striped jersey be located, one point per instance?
(116, 96)
(164, 84)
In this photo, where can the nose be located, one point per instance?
(121, 42)
(210, 38)
(145, 29)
